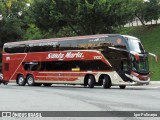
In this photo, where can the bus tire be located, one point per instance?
(30, 80)
(5, 83)
(91, 81)
(106, 82)
(21, 80)
(122, 86)
(47, 84)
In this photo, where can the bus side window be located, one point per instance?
(58, 47)
(27, 49)
(32, 66)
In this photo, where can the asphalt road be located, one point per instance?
(78, 98)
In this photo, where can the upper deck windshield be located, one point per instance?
(135, 45)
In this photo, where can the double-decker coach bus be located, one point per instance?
(105, 60)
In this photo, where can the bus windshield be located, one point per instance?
(135, 45)
(141, 66)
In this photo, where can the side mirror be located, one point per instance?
(155, 56)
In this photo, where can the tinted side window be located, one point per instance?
(66, 65)
(32, 66)
(116, 41)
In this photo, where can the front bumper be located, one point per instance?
(137, 81)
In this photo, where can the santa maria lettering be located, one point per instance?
(65, 55)
(55, 55)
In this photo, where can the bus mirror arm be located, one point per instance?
(146, 52)
(155, 56)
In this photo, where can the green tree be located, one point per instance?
(45, 15)
(32, 33)
(82, 16)
(152, 10)
(11, 27)
(140, 11)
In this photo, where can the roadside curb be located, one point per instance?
(154, 82)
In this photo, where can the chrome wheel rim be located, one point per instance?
(104, 81)
(21, 79)
(89, 81)
(30, 81)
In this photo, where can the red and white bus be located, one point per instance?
(105, 60)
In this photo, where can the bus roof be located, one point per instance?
(61, 39)
(130, 37)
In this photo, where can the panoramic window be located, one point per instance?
(135, 45)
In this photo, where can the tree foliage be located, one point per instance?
(82, 16)
(152, 10)
(140, 10)
(11, 26)
(36, 19)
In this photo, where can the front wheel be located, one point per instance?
(122, 86)
(21, 80)
(30, 80)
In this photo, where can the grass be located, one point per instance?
(150, 38)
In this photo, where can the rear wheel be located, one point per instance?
(122, 86)
(5, 83)
(91, 81)
(47, 84)
(106, 82)
(21, 80)
(30, 80)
